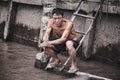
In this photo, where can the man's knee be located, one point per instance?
(69, 45)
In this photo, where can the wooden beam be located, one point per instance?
(6, 29)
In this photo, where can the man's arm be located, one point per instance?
(65, 34)
(47, 32)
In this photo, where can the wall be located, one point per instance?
(29, 23)
(107, 38)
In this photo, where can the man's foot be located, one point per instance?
(51, 65)
(73, 70)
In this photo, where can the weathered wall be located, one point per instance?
(107, 38)
(72, 4)
(31, 18)
(29, 23)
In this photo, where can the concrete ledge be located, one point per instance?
(111, 9)
(72, 5)
(32, 2)
(86, 7)
(67, 5)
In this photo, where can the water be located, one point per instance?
(17, 63)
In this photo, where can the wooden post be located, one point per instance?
(6, 29)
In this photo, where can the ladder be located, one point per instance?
(84, 34)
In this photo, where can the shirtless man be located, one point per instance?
(63, 28)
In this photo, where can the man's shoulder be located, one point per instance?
(50, 21)
(68, 21)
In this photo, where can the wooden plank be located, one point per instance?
(6, 29)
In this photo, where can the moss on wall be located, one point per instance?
(22, 34)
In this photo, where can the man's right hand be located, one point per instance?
(45, 44)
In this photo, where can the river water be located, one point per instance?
(17, 63)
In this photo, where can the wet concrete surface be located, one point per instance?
(17, 63)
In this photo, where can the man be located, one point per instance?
(67, 39)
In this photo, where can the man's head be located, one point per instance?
(57, 16)
(58, 11)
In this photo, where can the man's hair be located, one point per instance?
(57, 11)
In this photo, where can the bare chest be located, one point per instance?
(59, 30)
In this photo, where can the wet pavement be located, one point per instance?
(17, 63)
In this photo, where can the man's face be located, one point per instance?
(57, 19)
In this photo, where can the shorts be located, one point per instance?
(62, 47)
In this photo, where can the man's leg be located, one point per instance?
(52, 53)
(72, 53)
